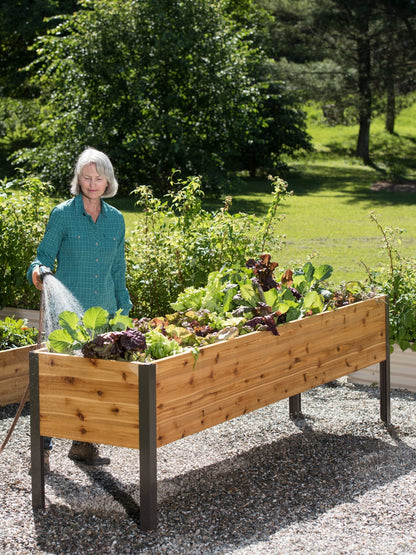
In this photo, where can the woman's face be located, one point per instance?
(93, 185)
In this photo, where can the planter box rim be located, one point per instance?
(225, 341)
(32, 345)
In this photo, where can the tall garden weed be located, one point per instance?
(178, 243)
(397, 279)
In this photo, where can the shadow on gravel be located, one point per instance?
(238, 501)
(9, 411)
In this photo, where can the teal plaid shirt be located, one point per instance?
(90, 256)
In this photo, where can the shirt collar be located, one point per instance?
(79, 206)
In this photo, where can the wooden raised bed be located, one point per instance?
(146, 406)
(14, 363)
(14, 374)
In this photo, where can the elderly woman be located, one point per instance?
(85, 235)
(85, 238)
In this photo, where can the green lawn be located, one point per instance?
(328, 213)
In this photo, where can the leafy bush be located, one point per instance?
(18, 117)
(178, 243)
(18, 120)
(24, 210)
(107, 66)
(397, 280)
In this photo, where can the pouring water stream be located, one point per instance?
(55, 298)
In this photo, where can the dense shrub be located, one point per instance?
(177, 244)
(18, 119)
(24, 211)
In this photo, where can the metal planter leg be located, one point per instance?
(36, 440)
(295, 406)
(147, 446)
(385, 377)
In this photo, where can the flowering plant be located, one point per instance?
(16, 333)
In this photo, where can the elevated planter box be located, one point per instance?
(14, 363)
(402, 371)
(14, 374)
(145, 406)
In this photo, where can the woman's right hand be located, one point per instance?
(37, 281)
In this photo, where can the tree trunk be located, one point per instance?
(364, 69)
(363, 141)
(391, 106)
(390, 75)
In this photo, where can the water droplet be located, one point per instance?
(56, 299)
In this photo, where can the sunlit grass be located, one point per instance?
(327, 218)
(329, 213)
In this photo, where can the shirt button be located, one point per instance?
(95, 292)
(96, 276)
(96, 244)
(96, 259)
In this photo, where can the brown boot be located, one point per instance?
(46, 465)
(86, 453)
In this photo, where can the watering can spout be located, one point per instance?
(44, 271)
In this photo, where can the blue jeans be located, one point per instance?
(47, 443)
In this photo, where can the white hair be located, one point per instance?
(104, 168)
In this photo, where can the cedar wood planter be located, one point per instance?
(103, 401)
(14, 374)
(14, 363)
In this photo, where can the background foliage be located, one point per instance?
(157, 85)
(206, 87)
(178, 243)
(24, 212)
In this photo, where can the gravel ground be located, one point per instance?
(335, 481)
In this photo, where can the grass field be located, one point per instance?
(327, 218)
(329, 212)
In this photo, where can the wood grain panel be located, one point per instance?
(252, 371)
(14, 374)
(89, 400)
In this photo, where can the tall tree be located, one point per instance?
(397, 52)
(350, 27)
(279, 126)
(355, 54)
(20, 23)
(158, 84)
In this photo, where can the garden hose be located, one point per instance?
(25, 397)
